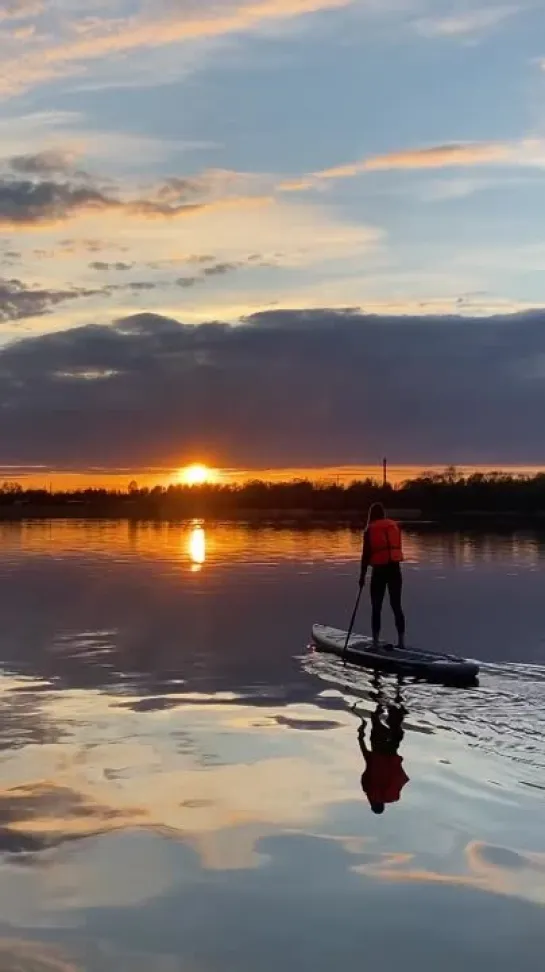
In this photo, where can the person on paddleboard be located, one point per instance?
(384, 776)
(383, 552)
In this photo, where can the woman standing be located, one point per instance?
(383, 552)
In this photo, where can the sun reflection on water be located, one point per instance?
(197, 547)
(245, 542)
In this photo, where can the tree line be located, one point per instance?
(430, 495)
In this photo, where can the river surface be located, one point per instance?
(181, 778)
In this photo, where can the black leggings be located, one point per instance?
(387, 576)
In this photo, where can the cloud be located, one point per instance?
(31, 956)
(186, 229)
(101, 267)
(28, 203)
(449, 388)
(67, 136)
(302, 184)
(495, 869)
(213, 183)
(47, 162)
(528, 152)
(442, 156)
(215, 270)
(219, 269)
(20, 9)
(19, 302)
(454, 154)
(140, 286)
(72, 247)
(46, 202)
(39, 813)
(465, 23)
(96, 39)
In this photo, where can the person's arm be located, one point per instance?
(365, 558)
(361, 740)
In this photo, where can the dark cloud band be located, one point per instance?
(282, 387)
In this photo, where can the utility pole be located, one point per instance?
(384, 473)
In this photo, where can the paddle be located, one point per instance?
(352, 623)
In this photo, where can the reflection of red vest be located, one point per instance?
(385, 541)
(384, 778)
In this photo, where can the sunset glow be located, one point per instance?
(182, 294)
(61, 480)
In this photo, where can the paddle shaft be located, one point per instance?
(352, 622)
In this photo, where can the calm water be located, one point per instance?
(180, 778)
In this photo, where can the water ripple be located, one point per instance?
(504, 715)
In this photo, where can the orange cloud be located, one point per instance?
(456, 154)
(46, 204)
(440, 157)
(497, 870)
(426, 877)
(115, 36)
(298, 185)
(21, 954)
(432, 157)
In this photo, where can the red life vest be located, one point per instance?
(385, 542)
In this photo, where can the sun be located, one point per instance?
(195, 475)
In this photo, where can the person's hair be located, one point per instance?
(377, 807)
(376, 512)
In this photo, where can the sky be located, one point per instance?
(271, 232)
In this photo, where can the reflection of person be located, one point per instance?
(383, 552)
(384, 776)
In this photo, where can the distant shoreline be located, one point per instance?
(442, 499)
(283, 518)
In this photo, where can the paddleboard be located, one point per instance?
(432, 666)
